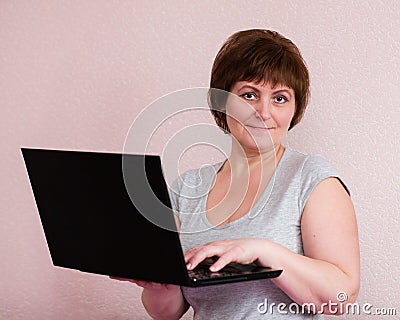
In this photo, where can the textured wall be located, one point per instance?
(74, 74)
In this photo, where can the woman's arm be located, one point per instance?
(331, 264)
(163, 301)
(330, 242)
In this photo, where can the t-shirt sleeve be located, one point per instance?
(316, 168)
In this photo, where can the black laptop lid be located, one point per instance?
(89, 219)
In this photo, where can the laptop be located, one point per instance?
(92, 225)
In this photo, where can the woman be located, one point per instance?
(294, 211)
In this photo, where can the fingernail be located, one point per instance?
(188, 266)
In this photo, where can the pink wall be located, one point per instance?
(74, 74)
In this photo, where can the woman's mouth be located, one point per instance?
(260, 128)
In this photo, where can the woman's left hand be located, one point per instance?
(227, 251)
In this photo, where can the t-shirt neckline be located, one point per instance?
(261, 202)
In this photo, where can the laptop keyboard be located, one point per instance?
(203, 272)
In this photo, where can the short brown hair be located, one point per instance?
(261, 56)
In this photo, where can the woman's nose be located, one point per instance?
(263, 109)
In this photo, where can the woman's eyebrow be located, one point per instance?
(246, 86)
(283, 91)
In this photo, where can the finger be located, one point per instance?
(149, 284)
(190, 253)
(140, 283)
(202, 254)
(155, 285)
(223, 260)
(121, 279)
(193, 251)
(143, 284)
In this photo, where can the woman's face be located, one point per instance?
(263, 121)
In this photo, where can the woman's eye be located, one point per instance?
(249, 96)
(280, 99)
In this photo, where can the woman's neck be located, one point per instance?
(249, 159)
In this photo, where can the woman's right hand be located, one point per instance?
(153, 286)
(161, 300)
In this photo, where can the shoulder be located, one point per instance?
(308, 161)
(310, 165)
(193, 178)
(192, 184)
(311, 169)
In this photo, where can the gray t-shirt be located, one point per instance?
(275, 216)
